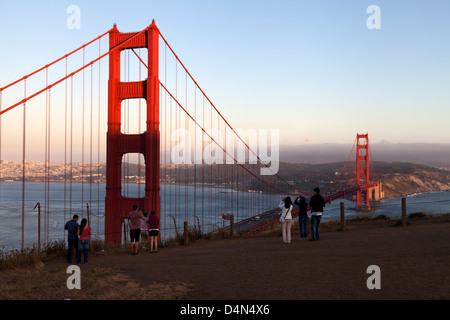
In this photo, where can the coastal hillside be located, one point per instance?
(416, 182)
(398, 178)
(404, 178)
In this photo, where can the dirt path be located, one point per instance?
(414, 263)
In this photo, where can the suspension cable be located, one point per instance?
(212, 139)
(57, 60)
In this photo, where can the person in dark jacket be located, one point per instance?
(302, 216)
(317, 203)
(72, 237)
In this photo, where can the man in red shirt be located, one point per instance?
(134, 218)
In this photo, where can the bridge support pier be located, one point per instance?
(119, 144)
(376, 193)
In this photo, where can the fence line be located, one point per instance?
(10, 240)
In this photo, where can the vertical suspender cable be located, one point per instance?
(124, 124)
(90, 137)
(127, 121)
(45, 165)
(179, 114)
(186, 167)
(162, 129)
(82, 141)
(171, 167)
(71, 146)
(217, 168)
(227, 194)
(203, 164)
(49, 150)
(195, 154)
(98, 140)
(165, 138)
(65, 147)
(213, 216)
(48, 163)
(139, 131)
(177, 185)
(23, 161)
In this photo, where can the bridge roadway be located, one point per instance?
(263, 220)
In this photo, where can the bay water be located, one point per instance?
(205, 206)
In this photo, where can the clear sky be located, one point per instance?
(312, 69)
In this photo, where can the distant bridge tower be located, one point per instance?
(362, 170)
(119, 144)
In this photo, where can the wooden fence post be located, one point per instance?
(231, 225)
(38, 205)
(342, 216)
(124, 228)
(403, 212)
(186, 233)
(88, 214)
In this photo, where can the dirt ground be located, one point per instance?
(413, 260)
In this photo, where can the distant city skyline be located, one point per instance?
(434, 154)
(312, 69)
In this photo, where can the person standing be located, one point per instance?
(286, 218)
(317, 203)
(144, 231)
(72, 237)
(302, 216)
(84, 233)
(153, 222)
(135, 218)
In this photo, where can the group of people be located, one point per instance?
(78, 235)
(147, 227)
(316, 205)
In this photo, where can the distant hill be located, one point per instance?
(432, 154)
(398, 178)
(401, 179)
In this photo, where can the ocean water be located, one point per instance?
(198, 206)
(432, 203)
(205, 207)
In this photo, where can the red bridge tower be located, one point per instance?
(362, 169)
(118, 144)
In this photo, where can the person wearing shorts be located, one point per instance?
(153, 222)
(135, 218)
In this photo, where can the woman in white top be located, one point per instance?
(286, 218)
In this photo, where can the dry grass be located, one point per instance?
(31, 255)
(194, 234)
(39, 283)
(25, 276)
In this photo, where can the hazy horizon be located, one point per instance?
(425, 153)
(434, 154)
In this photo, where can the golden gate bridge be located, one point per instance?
(60, 111)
